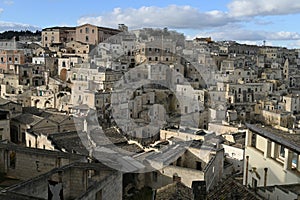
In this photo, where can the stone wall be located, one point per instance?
(187, 175)
(213, 171)
(76, 183)
(24, 163)
(109, 188)
(221, 128)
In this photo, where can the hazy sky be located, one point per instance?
(247, 21)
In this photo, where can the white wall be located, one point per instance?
(5, 129)
(276, 173)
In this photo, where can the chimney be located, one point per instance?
(199, 190)
(85, 125)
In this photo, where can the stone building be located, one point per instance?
(291, 103)
(8, 58)
(22, 123)
(24, 163)
(277, 118)
(192, 163)
(32, 130)
(88, 79)
(11, 44)
(247, 92)
(75, 181)
(65, 64)
(13, 107)
(86, 33)
(155, 51)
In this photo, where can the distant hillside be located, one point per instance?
(10, 34)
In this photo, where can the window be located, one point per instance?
(87, 38)
(295, 160)
(87, 30)
(253, 140)
(281, 151)
(80, 30)
(93, 31)
(199, 166)
(46, 38)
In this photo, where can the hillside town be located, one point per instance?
(90, 112)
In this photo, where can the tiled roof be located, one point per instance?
(231, 189)
(69, 141)
(131, 148)
(53, 116)
(5, 101)
(59, 27)
(31, 110)
(174, 191)
(290, 140)
(108, 136)
(57, 117)
(28, 119)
